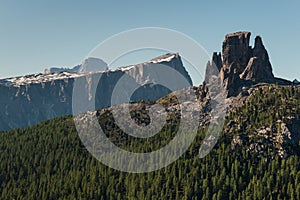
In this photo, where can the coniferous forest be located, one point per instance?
(48, 160)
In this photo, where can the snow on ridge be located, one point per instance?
(164, 58)
(125, 68)
(42, 78)
(167, 59)
(38, 78)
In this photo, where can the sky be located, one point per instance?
(38, 34)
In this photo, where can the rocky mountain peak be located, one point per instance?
(259, 67)
(259, 49)
(241, 65)
(295, 81)
(214, 67)
(165, 57)
(236, 50)
(217, 60)
(90, 64)
(258, 42)
(93, 64)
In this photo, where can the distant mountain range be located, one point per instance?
(256, 155)
(27, 100)
(88, 65)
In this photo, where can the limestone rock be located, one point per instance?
(217, 60)
(236, 50)
(93, 64)
(88, 65)
(252, 71)
(259, 67)
(214, 67)
(242, 65)
(27, 100)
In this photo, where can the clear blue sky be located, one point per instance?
(36, 34)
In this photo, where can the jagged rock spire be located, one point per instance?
(236, 50)
(242, 64)
(217, 60)
(259, 67)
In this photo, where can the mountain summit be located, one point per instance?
(88, 65)
(93, 64)
(295, 81)
(240, 64)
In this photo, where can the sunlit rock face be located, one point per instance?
(241, 65)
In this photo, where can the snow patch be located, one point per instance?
(168, 59)
(38, 78)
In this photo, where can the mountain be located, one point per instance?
(296, 81)
(27, 100)
(240, 65)
(88, 65)
(53, 70)
(93, 64)
(257, 155)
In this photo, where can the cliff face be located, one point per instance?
(28, 104)
(236, 52)
(27, 100)
(241, 65)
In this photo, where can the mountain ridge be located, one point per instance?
(27, 100)
(33, 98)
(49, 161)
(256, 156)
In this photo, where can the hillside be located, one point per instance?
(256, 157)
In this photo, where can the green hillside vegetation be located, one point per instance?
(48, 160)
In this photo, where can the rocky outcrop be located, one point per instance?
(27, 100)
(282, 137)
(241, 65)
